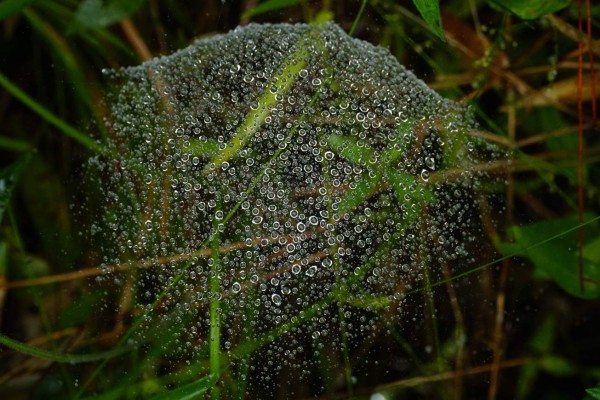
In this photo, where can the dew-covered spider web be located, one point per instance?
(279, 191)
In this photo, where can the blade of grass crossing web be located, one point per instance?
(283, 80)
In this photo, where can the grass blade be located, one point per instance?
(284, 79)
(10, 7)
(49, 117)
(189, 391)
(57, 357)
(269, 5)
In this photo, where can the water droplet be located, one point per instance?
(300, 227)
(276, 299)
(311, 271)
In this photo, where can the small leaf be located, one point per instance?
(269, 5)
(557, 366)
(323, 16)
(189, 391)
(101, 13)
(591, 251)
(430, 11)
(10, 7)
(594, 393)
(532, 9)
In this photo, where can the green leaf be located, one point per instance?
(591, 251)
(532, 9)
(8, 181)
(189, 391)
(594, 393)
(269, 5)
(557, 366)
(10, 7)
(430, 11)
(102, 13)
(558, 260)
(323, 16)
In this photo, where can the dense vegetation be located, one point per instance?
(511, 313)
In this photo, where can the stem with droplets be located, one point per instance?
(215, 318)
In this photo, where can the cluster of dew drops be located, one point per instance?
(308, 173)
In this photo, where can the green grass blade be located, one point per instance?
(11, 144)
(57, 357)
(63, 52)
(284, 79)
(357, 19)
(269, 5)
(189, 391)
(10, 7)
(49, 117)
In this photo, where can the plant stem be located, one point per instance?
(215, 318)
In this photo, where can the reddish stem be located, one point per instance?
(580, 147)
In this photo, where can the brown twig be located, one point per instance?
(112, 268)
(501, 295)
(136, 41)
(459, 331)
(443, 376)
